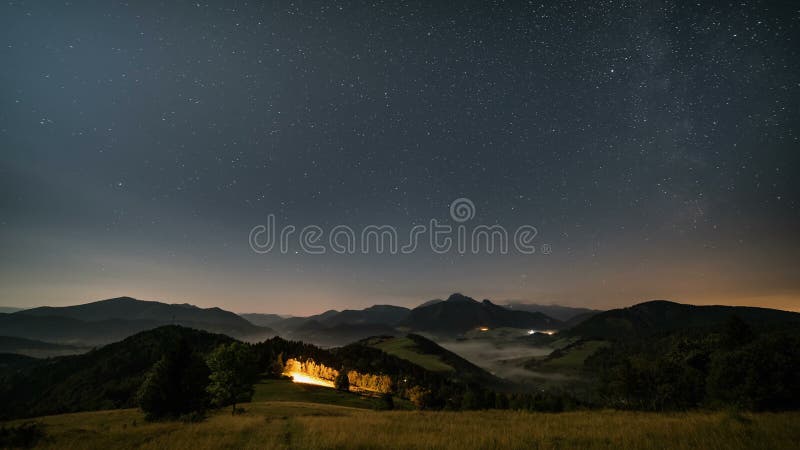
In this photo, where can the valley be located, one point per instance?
(456, 362)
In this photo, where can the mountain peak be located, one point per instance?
(383, 307)
(658, 304)
(430, 302)
(459, 314)
(457, 297)
(123, 299)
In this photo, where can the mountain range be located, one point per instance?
(447, 319)
(111, 320)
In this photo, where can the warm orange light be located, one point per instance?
(484, 328)
(298, 377)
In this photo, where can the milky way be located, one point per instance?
(654, 145)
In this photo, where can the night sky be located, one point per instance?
(654, 145)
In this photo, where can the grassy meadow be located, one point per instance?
(570, 360)
(405, 348)
(286, 391)
(287, 425)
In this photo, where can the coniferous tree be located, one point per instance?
(175, 385)
(234, 371)
(342, 382)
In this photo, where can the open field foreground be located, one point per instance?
(284, 425)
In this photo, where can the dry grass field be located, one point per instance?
(285, 425)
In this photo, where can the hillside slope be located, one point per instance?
(661, 316)
(128, 308)
(105, 378)
(376, 314)
(431, 356)
(110, 320)
(563, 313)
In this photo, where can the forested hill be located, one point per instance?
(106, 378)
(109, 377)
(661, 316)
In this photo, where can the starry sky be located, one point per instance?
(654, 145)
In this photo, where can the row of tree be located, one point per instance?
(376, 383)
(731, 367)
(182, 384)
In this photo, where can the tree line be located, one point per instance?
(732, 367)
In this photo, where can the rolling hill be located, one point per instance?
(128, 308)
(431, 356)
(110, 320)
(105, 378)
(377, 314)
(317, 333)
(262, 320)
(109, 377)
(661, 316)
(562, 313)
(335, 328)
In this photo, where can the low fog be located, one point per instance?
(505, 361)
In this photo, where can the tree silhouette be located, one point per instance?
(175, 385)
(234, 371)
(342, 382)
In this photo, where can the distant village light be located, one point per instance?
(484, 328)
(547, 332)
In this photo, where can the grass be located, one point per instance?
(285, 390)
(287, 425)
(572, 359)
(405, 348)
(575, 356)
(562, 342)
